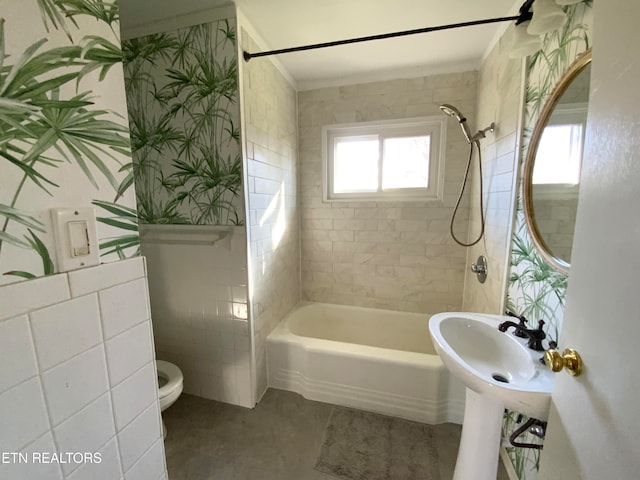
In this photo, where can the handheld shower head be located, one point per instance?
(453, 112)
(475, 139)
(462, 120)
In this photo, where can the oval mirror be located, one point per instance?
(551, 178)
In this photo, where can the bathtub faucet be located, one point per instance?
(535, 335)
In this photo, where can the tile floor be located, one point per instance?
(278, 440)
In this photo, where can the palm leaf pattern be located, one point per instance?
(536, 290)
(42, 128)
(182, 91)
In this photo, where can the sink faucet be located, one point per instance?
(535, 335)
(522, 324)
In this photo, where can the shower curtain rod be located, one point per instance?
(248, 56)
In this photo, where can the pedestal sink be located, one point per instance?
(499, 372)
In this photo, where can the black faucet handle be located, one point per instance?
(523, 324)
(509, 313)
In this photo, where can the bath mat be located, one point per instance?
(366, 446)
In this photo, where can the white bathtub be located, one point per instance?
(377, 360)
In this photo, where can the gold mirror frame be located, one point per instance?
(527, 179)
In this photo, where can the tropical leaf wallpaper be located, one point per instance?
(536, 290)
(182, 95)
(64, 138)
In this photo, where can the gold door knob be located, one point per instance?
(570, 360)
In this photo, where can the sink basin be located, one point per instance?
(493, 363)
(499, 371)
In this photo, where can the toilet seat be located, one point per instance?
(169, 392)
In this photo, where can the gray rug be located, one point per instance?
(366, 446)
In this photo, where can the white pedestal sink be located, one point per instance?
(499, 372)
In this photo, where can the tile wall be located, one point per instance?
(270, 121)
(199, 306)
(78, 375)
(500, 100)
(389, 255)
(556, 219)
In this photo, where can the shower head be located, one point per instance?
(453, 112)
(462, 120)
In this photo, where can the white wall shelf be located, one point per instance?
(184, 234)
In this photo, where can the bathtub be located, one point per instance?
(377, 360)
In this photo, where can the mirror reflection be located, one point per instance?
(556, 174)
(555, 179)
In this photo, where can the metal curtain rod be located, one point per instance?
(248, 56)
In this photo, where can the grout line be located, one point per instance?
(144, 409)
(48, 369)
(142, 455)
(44, 396)
(7, 390)
(135, 372)
(110, 390)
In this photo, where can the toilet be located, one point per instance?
(169, 385)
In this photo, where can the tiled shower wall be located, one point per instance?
(389, 255)
(271, 170)
(199, 306)
(78, 375)
(500, 100)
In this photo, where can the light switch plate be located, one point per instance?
(76, 238)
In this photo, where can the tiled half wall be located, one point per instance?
(199, 307)
(78, 375)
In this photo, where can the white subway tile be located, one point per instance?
(34, 469)
(92, 279)
(123, 306)
(132, 396)
(75, 383)
(18, 357)
(244, 395)
(23, 416)
(22, 297)
(87, 430)
(240, 310)
(139, 435)
(229, 391)
(150, 466)
(66, 329)
(225, 309)
(129, 351)
(239, 294)
(267, 186)
(108, 469)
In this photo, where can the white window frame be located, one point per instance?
(565, 114)
(434, 126)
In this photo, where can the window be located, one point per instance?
(559, 155)
(391, 160)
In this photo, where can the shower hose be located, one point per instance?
(464, 184)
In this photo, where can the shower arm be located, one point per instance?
(483, 133)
